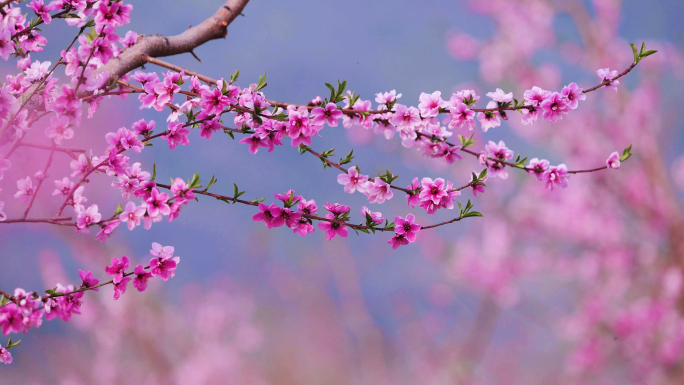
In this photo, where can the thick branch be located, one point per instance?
(215, 27)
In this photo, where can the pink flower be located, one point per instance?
(573, 94)
(120, 287)
(164, 266)
(330, 114)
(333, 229)
(405, 118)
(407, 227)
(270, 215)
(181, 190)
(479, 188)
(177, 135)
(378, 191)
(536, 96)
(43, 10)
(432, 190)
(500, 96)
(118, 268)
(307, 207)
(605, 74)
(498, 151)
(157, 203)
(613, 161)
(132, 215)
(352, 180)
(140, 278)
(26, 191)
(413, 199)
(86, 217)
(460, 116)
(87, 279)
(59, 129)
(556, 176)
(336, 208)
(141, 127)
(5, 356)
(554, 107)
(398, 240)
(80, 166)
(375, 216)
(387, 97)
(489, 119)
(7, 46)
(208, 127)
(291, 218)
(106, 230)
(254, 141)
(287, 195)
(429, 104)
(124, 139)
(538, 167)
(213, 101)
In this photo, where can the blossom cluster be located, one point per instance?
(26, 310)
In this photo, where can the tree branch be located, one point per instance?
(215, 27)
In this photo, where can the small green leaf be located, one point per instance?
(635, 52)
(119, 210)
(154, 172)
(648, 53)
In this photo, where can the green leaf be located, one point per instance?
(626, 153)
(258, 200)
(119, 210)
(472, 214)
(648, 53)
(195, 181)
(635, 52)
(154, 172)
(643, 47)
(211, 182)
(348, 158)
(3, 300)
(262, 82)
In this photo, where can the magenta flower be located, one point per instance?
(141, 127)
(181, 190)
(124, 139)
(336, 208)
(303, 227)
(5, 356)
(7, 46)
(307, 207)
(398, 240)
(573, 94)
(86, 217)
(157, 203)
(613, 161)
(132, 215)
(177, 135)
(164, 267)
(106, 230)
(140, 278)
(352, 180)
(498, 151)
(432, 190)
(375, 216)
(429, 104)
(556, 176)
(254, 141)
(120, 287)
(286, 196)
(87, 279)
(208, 127)
(554, 107)
(413, 199)
(213, 101)
(291, 218)
(378, 191)
(42, 10)
(118, 268)
(329, 114)
(538, 167)
(270, 215)
(26, 191)
(407, 227)
(333, 229)
(605, 74)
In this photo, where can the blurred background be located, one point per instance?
(580, 285)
